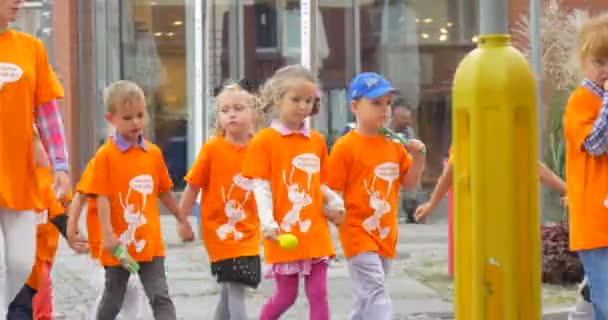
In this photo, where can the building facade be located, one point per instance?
(179, 51)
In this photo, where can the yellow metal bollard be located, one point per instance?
(497, 223)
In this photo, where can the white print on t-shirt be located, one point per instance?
(386, 172)
(42, 217)
(144, 184)
(299, 197)
(9, 73)
(234, 209)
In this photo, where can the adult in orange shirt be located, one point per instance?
(368, 169)
(444, 183)
(586, 131)
(229, 222)
(128, 178)
(134, 305)
(28, 93)
(288, 162)
(34, 300)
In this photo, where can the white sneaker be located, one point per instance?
(583, 310)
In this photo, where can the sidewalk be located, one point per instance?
(418, 283)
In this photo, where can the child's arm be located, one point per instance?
(75, 240)
(547, 177)
(184, 229)
(41, 159)
(186, 202)
(110, 241)
(596, 142)
(414, 172)
(334, 205)
(263, 199)
(169, 201)
(443, 185)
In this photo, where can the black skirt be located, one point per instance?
(245, 270)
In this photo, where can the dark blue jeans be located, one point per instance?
(21, 307)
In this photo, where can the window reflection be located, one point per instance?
(154, 56)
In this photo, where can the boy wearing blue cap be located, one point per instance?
(368, 169)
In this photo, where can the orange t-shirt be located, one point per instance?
(94, 233)
(132, 180)
(295, 165)
(229, 221)
(26, 81)
(368, 171)
(47, 235)
(586, 175)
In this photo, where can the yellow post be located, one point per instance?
(497, 223)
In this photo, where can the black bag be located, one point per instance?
(246, 270)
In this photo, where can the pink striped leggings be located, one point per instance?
(286, 292)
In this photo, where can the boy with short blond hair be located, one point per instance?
(128, 178)
(586, 131)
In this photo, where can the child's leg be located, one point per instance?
(595, 263)
(284, 296)
(368, 271)
(316, 291)
(113, 293)
(236, 301)
(43, 300)
(154, 280)
(21, 306)
(221, 310)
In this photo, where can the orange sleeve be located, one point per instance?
(85, 178)
(99, 182)
(338, 166)
(257, 160)
(579, 117)
(164, 184)
(199, 173)
(48, 87)
(405, 160)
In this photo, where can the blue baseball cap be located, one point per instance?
(369, 85)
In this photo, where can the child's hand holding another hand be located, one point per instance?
(271, 234)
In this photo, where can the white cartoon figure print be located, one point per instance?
(299, 196)
(388, 172)
(42, 217)
(234, 209)
(144, 184)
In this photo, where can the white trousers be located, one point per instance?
(17, 253)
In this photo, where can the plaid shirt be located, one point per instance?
(52, 134)
(596, 142)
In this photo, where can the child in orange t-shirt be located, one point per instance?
(129, 176)
(288, 162)
(229, 222)
(586, 131)
(134, 305)
(368, 169)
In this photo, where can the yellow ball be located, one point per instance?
(288, 241)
